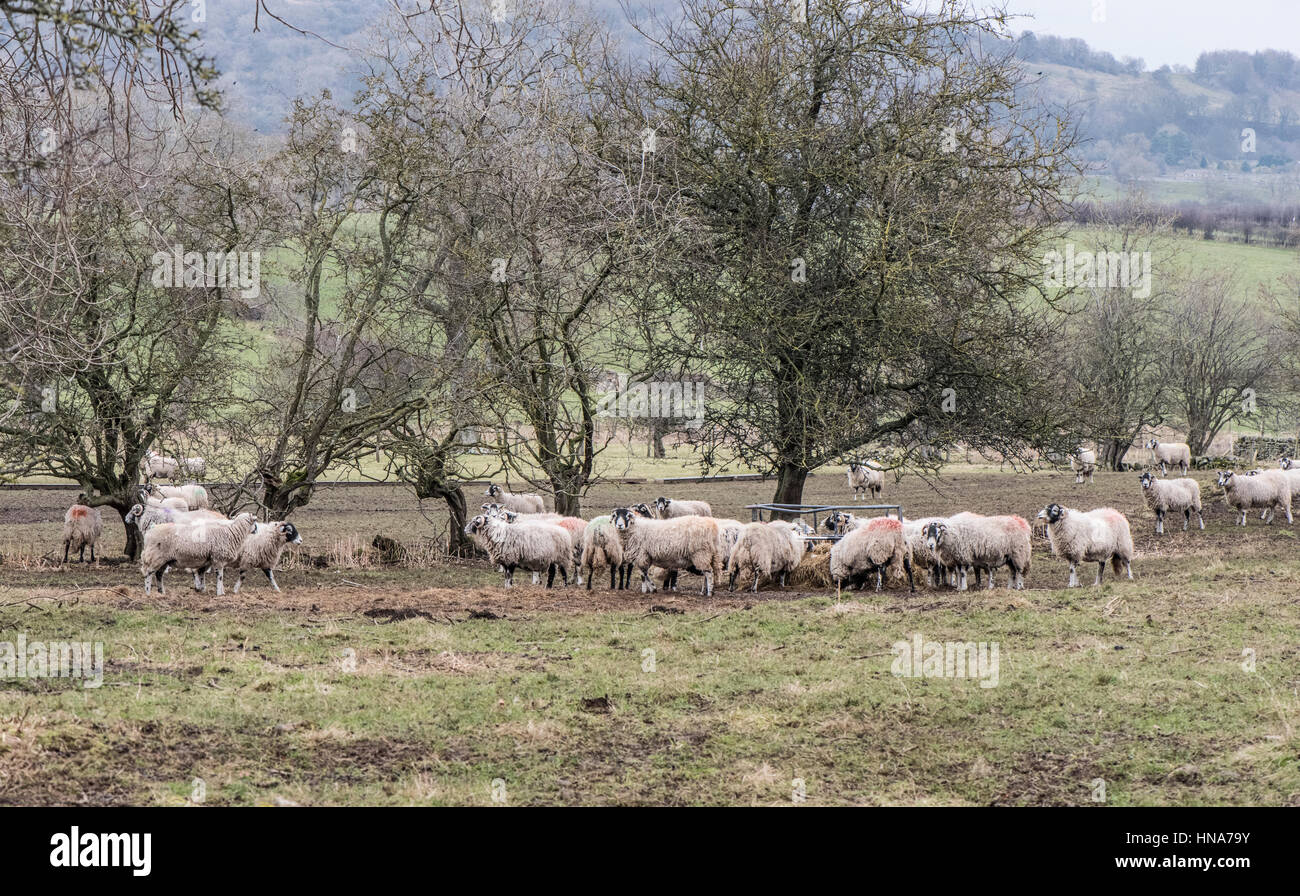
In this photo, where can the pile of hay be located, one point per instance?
(814, 570)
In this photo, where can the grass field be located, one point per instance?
(403, 685)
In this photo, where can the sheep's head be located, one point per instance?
(935, 534)
(290, 533)
(508, 515)
(643, 509)
(661, 504)
(1053, 513)
(133, 515)
(624, 518)
(853, 467)
(1152, 443)
(492, 510)
(1285, 463)
(493, 491)
(475, 525)
(1224, 477)
(1146, 479)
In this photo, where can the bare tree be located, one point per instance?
(1225, 350)
(861, 199)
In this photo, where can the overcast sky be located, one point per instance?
(1166, 31)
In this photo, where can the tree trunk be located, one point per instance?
(458, 543)
(789, 487)
(1112, 453)
(567, 503)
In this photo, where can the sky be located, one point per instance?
(1165, 32)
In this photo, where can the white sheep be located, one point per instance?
(157, 466)
(521, 503)
(668, 508)
(876, 545)
(575, 526)
(864, 479)
(967, 541)
(195, 496)
(82, 526)
(914, 532)
(1084, 463)
(1268, 489)
(200, 544)
(692, 543)
(262, 549)
(537, 547)
(601, 546)
(1176, 495)
(1293, 476)
(1092, 537)
(766, 550)
(1171, 454)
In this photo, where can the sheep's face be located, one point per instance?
(829, 523)
(661, 504)
(1285, 463)
(934, 535)
(492, 510)
(643, 509)
(1053, 513)
(508, 515)
(1224, 477)
(1146, 479)
(290, 533)
(133, 514)
(475, 525)
(1152, 444)
(493, 491)
(624, 519)
(853, 468)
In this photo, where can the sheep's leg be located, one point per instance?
(564, 575)
(221, 579)
(880, 577)
(731, 579)
(537, 578)
(92, 553)
(199, 575)
(989, 586)
(270, 577)
(753, 587)
(1074, 575)
(66, 545)
(1128, 567)
(550, 575)
(1187, 518)
(1101, 568)
(510, 576)
(907, 565)
(1200, 519)
(1160, 522)
(708, 583)
(647, 586)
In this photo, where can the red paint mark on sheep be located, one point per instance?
(884, 522)
(78, 512)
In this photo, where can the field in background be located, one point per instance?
(400, 684)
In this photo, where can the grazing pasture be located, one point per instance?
(422, 680)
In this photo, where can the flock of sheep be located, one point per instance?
(663, 539)
(181, 531)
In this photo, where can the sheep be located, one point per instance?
(1084, 463)
(969, 540)
(529, 503)
(533, 546)
(872, 547)
(1094, 536)
(728, 533)
(914, 532)
(150, 513)
(770, 550)
(689, 542)
(575, 526)
(667, 508)
(82, 526)
(262, 549)
(1177, 495)
(601, 546)
(1171, 454)
(195, 496)
(194, 467)
(197, 543)
(1270, 489)
(864, 479)
(156, 466)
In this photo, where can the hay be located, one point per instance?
(814, 569)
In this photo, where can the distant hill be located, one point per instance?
(1178, 129)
